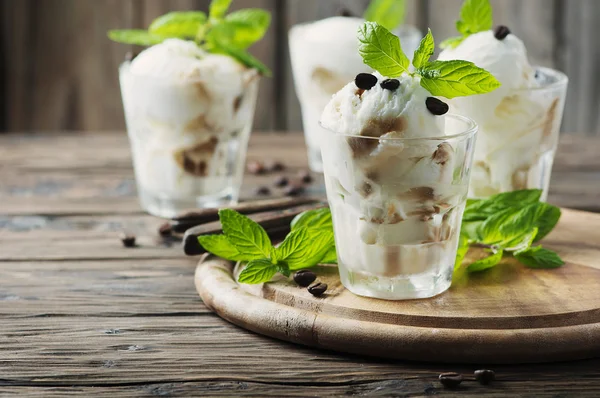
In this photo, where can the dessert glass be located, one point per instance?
(321, 68)
(518, 136)
(397, 206)
(189, 147)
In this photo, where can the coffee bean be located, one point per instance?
(294, 189)
(366, 81)
(165, 230)
(501, 32)
(451, 379)
(344, 12)
(127, 240)
(436, 106)
(304, 278)
(305, 177)
(317, 289)
(485, 376)
(390, 84)
(263, 191)
(256, 167)
(274, 166)
(281, 181)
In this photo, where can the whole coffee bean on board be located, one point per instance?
(281, 181)
(305, 177)
(451, 379)
(274, 166)
(317, 289)
(263, 191)
(294, 189)
(256, 167)
(128, 240)
(165, 230)
(304, 277)
(485, 376)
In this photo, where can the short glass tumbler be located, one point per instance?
(518, 134)
(397, 206)
(322, 65)
(188, 138)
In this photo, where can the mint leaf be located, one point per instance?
(481, 209)
(218, 8)
(463, 249)
(491, 230)
(134, 36)
(452, 42)
(258, 271)
(246, 235)
(486, 263)
(319, 218)
(521, 242)
(452, 79)
(330, 256)
(220, 246)
(548, 217)
(538, 257)
(387, 13)
(304, 248)
(476, 16)
(471, 230)
(221, 46)
(180, 24)
(381, 50)
(425, 51)
(245, 27)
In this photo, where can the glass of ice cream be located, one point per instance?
(396, 170)
(189, 115)
(324, 58)
(519, 123)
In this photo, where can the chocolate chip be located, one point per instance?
(274, 166)
(294, 189)
(317, 289)
(390, 84)
(281, 181)
(436, 106)
(304, 278)
(165, 230)
(501, 32)
(263, 191)
(127, 240)
(305, 177)
(256, 167)
(451, 379)
(366, 81)
(485, 376)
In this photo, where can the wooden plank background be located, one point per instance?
(58, 71)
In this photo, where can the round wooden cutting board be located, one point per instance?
(509, 314)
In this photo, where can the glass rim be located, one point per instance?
(471, 130)
(405, 26)
(561, 80)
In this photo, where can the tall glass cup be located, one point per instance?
(325, 58)
(397, 206)
(188, 139)
(518, 134)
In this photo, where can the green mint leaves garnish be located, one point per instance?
(387, 13)
(382, 51)
(309, 243)
(509, 223)
(219, 33)
(475, 16)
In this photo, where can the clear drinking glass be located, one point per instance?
(518, 135)
(322, 65)
(188, 141)
(397, 206)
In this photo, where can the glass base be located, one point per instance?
(168, 207)
(402, 287)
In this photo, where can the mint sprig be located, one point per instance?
(220, 33)
(382, 51)
(387, 13)
(509, 223)
(475, 16)
(309, 243)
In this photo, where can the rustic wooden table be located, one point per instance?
(79, 313)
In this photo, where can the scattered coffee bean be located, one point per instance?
(485, 376)
(274, 166)
(305, 177)
(451, 379)
(317, 289)
(304, 278)
(127, 240)
(165, 230)
(436, 106)
(281, 181)
(365, 81)
(263, 191)
(501, 32)
(390, 84)
(294, 189)
(256, 167)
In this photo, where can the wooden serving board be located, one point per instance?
(509, 314)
